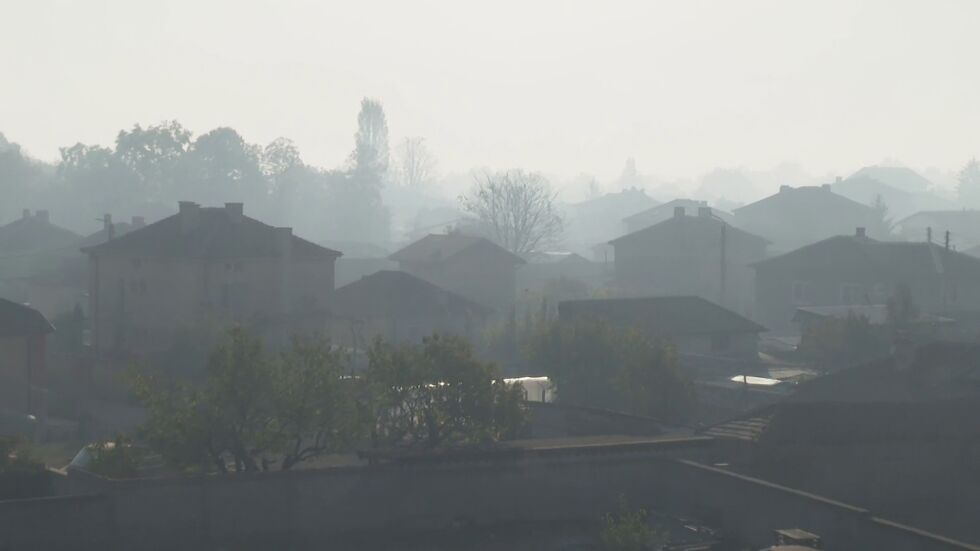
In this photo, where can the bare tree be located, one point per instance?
(418, 165)
(516, 209)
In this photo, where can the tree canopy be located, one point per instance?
(594, 364)
(516, 209)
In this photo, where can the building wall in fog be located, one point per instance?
(143, 303)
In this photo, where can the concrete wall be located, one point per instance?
(315, 508)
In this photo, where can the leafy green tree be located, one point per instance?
(153, 155)
(115, 459)
(20, 176)
(221, 166)
(355, 206)
(22, 475)
(370, 155)
(252, 411)
(315, 409)
(594, 364)
(841, 342)
(96, 177)
(629, 530)
(438, 394)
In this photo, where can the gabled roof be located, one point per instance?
(35, 233)
(435, 248)
(390, 293)
(663, 316)
(631, 200)
(684, 223)
(894, 258)
(213, 233)
(900, 177)
(690, 205)
(804, 199)
(18, 320)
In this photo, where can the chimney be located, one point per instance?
(825, 187)
(929, 234)
(106, 222)
(190, 214)
(138, 222)
(784, 188)
(25, 214)
(678, 212)
(704, 212)
(860, 232)
(838, 180)
(42, 215)
(234, 211)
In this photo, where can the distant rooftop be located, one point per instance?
(35, 232)
(435, 248)
(393, 293)
(666, 315)
(206, 232)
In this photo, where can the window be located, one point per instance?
(801, 294)
(852, 293)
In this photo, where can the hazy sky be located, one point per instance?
(564, 87)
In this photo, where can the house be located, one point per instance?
(200, 269)
(690, 255)
(60, 287)
(401, 308)
(471, 266)
(28, 246)
(962, 227)
(23, 334)
(659, 213)
(855, 269)
(600, 219)
(698, 328)
(795, 217)
(897, 202)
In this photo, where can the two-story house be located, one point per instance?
(795, 217)
(471, 266)
(659, 213)
(855, 269)
(204, 268)
(23, 332)
(698, 255)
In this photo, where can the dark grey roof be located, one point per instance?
(215, 233)
(435, 248)
(685, 222)
(662, 316)
(17, 320)
(892, 258)
(390, 293)
(35, 233)
(690, 205)
(804, 198)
